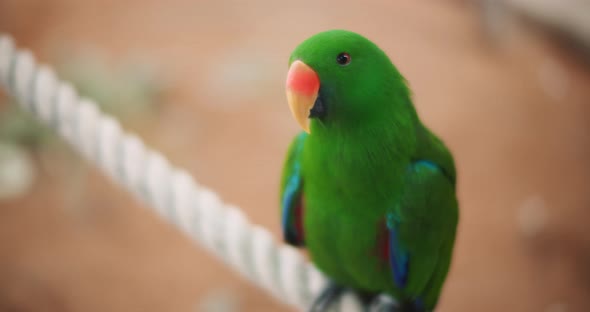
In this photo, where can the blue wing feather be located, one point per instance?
(291, 197)
(289, 206)
(398, 257)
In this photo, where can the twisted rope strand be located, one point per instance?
(171, 192)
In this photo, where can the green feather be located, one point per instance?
(361, 164)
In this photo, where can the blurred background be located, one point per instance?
(505, 83)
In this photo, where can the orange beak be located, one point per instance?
(303, 85)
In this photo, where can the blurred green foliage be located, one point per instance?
(18, 127)
(128, 91)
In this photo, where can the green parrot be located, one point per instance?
(366, 187)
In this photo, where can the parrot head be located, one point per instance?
(340, 78)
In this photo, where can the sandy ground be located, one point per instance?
(516, 116)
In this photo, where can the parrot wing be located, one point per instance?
(421, 231)
(292, 195)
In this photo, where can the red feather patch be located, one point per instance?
(383, 243)
(298, 214)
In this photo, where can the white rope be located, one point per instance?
(172, 192)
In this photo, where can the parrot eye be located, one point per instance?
(343, 58)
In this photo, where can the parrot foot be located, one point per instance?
(384, 303)
(327, 298)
